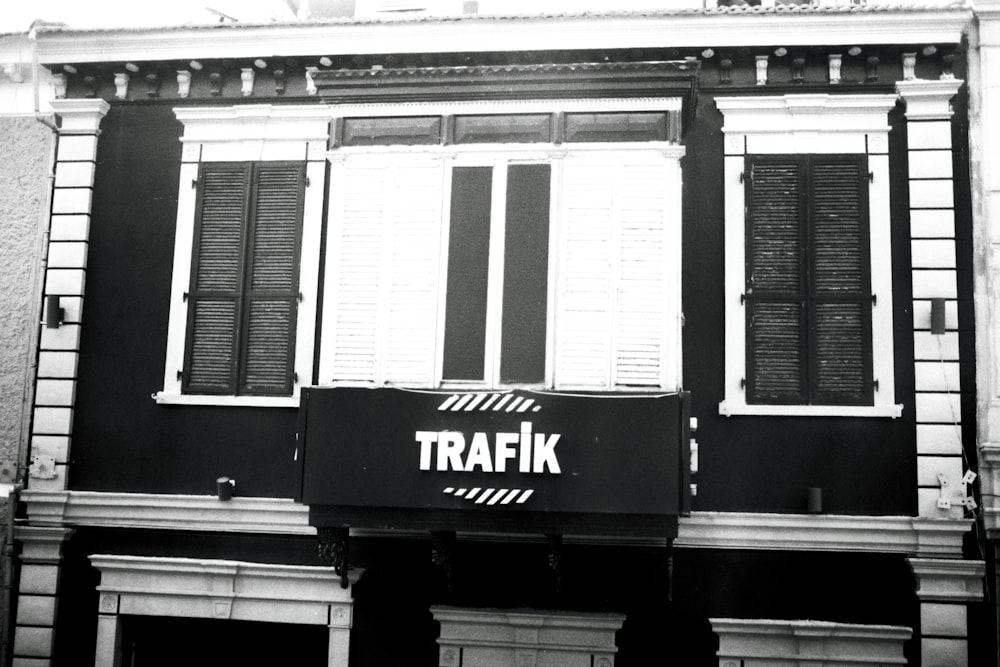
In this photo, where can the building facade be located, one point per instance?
(559, 339)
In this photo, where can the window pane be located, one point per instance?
(468, 272)
(525, 289)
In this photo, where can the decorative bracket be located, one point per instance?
(555, 559)
(334, 549)
(443, 555)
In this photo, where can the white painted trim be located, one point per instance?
(165, 398)
(812, 123)
(690, 29)
(463, 155)
(220, 589)
(948, 580)
(935, 538)
(801, 642)
(823, 532)
(509, 106)
(728, 409)
(257, 132)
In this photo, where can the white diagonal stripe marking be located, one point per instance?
(448, 401)
(510, 496)
(496, 497)
(525, 496)
(474, 402)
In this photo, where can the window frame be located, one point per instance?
(493, 154)
(798, 124)
(253, 134)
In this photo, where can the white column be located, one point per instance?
(341, 619)
(108, 637)
(944, 588)
(37, 601)
(65, 278)
(933, 258)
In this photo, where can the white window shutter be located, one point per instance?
(414, 218)
(585, 283)
(383, 266)
(641, 276)
(615, 268)
(353, 265)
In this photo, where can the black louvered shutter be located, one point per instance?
(214, 298)
(244, 279)
(272, 279)
(841, 285)
(808, 292)
(776, 281)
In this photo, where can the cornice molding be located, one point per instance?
(720, 30)
(941, 580)
(928, 99)
(934, 538)
(842, 533)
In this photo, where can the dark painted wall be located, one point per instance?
(766, 464)
(123, 441)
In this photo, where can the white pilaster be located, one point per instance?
(934, 277)
(41, 557)
(945, 588)
(65, 280)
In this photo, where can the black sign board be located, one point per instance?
(515, 461)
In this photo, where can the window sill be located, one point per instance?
(731, 408)
(163, 398)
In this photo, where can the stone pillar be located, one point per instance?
(944, 588)
(34, 633)
(341, 620)
(932, 241)
(65, 278)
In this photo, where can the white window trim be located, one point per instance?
(504, 154)
(799, 124)
(251, 133)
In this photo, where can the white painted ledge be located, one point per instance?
(731, 408)
(823, 532)
(800, 642)
(165, 398)
(928, 538)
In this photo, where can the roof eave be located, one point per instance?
(584, 32)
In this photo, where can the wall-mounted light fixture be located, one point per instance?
(225, 488)
(54, 312)
(937, 317)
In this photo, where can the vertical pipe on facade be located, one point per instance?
(7, 616)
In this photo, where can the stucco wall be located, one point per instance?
(23, 194)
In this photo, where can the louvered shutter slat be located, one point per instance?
(841, 359)
(842, 308)
(775, 282)
(212, 342)
(583, 319)
(272, 295)
(216, 282)
(415, 196)
(356, 261)
(775, 233)
(775, 339)
(642, 252)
